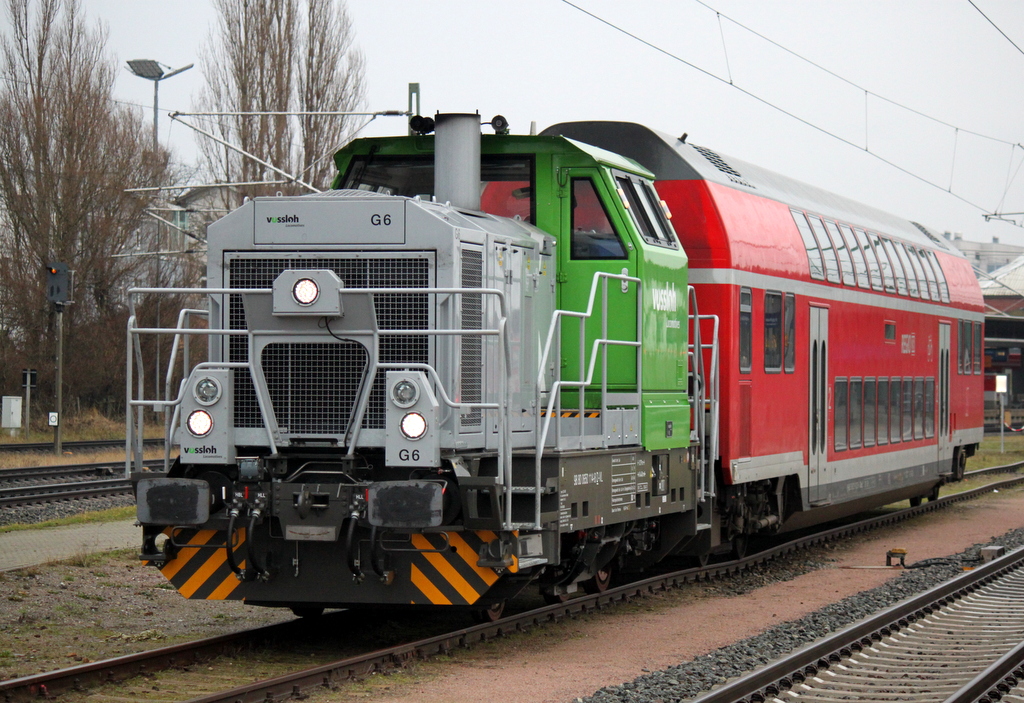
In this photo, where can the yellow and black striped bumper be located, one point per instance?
(433, 569)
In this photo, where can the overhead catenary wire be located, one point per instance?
(996, 26)
(865, 147)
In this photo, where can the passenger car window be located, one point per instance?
(593, 236)
(897, 266)
(789, 358)
(894, 409)
(942, 290)
(883, 411)
(828, 253)
(883, 260)
(746, 313)
(841, 415)
(908, 269)
(977, 348)
(772, 332)
(856, 413)
(874, 268)
(860, 264)
(811, 245)
(845, 260)
(870, 418)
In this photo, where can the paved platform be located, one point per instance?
(24, 548)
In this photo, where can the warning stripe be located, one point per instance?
(202, 573)
(214, 561)
(573, 413)
(445, 568)
(471, 558)
(226, 587)
(172, 567)
(427, 588)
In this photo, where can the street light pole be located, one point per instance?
(153, 71)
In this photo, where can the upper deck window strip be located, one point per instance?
(839, 253)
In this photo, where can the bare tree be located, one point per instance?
(280, 56)
(68, 152)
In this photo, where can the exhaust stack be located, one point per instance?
(457, 160)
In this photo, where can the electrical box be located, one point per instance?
(11, 412)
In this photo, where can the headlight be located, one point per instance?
(305, 291)
(413, 425)
(207, 391)
(199, 423)
(405, 393)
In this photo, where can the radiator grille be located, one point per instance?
(313, 387)
(394, 311)
(472, 347)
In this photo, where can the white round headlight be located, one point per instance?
(413, 425)
(199, 423)
(405, 393)
(305, 291)
(207, 391)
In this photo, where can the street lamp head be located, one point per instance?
(146, 68)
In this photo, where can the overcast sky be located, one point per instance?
(547, 61)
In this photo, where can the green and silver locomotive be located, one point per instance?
(466, 369)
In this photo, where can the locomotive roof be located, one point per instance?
(497, 144)
(672, 159)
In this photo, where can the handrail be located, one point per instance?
(705, 394)
(554, 392)
(181, 331)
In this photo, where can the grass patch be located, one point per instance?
(111, 515)
(989, 453)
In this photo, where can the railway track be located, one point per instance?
(72, 446)
(11, 496)
(48, 484)
(329, 674)
(956, 643)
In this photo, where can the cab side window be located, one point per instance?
(593, 236)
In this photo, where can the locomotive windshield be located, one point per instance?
(507, 182)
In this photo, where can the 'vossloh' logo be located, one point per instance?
(200, 450)
(283, 220)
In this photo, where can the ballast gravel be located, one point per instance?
(33, 514)
(679, 683)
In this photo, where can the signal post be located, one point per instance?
(58, 289)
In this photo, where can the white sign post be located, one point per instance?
(1001, 390)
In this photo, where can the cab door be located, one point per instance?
(596, 239)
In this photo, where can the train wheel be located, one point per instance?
(555, 598)
(739, 546)
(307, 612)
(916, 501)
(599, 582)
(489, 614)
(700, 560)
